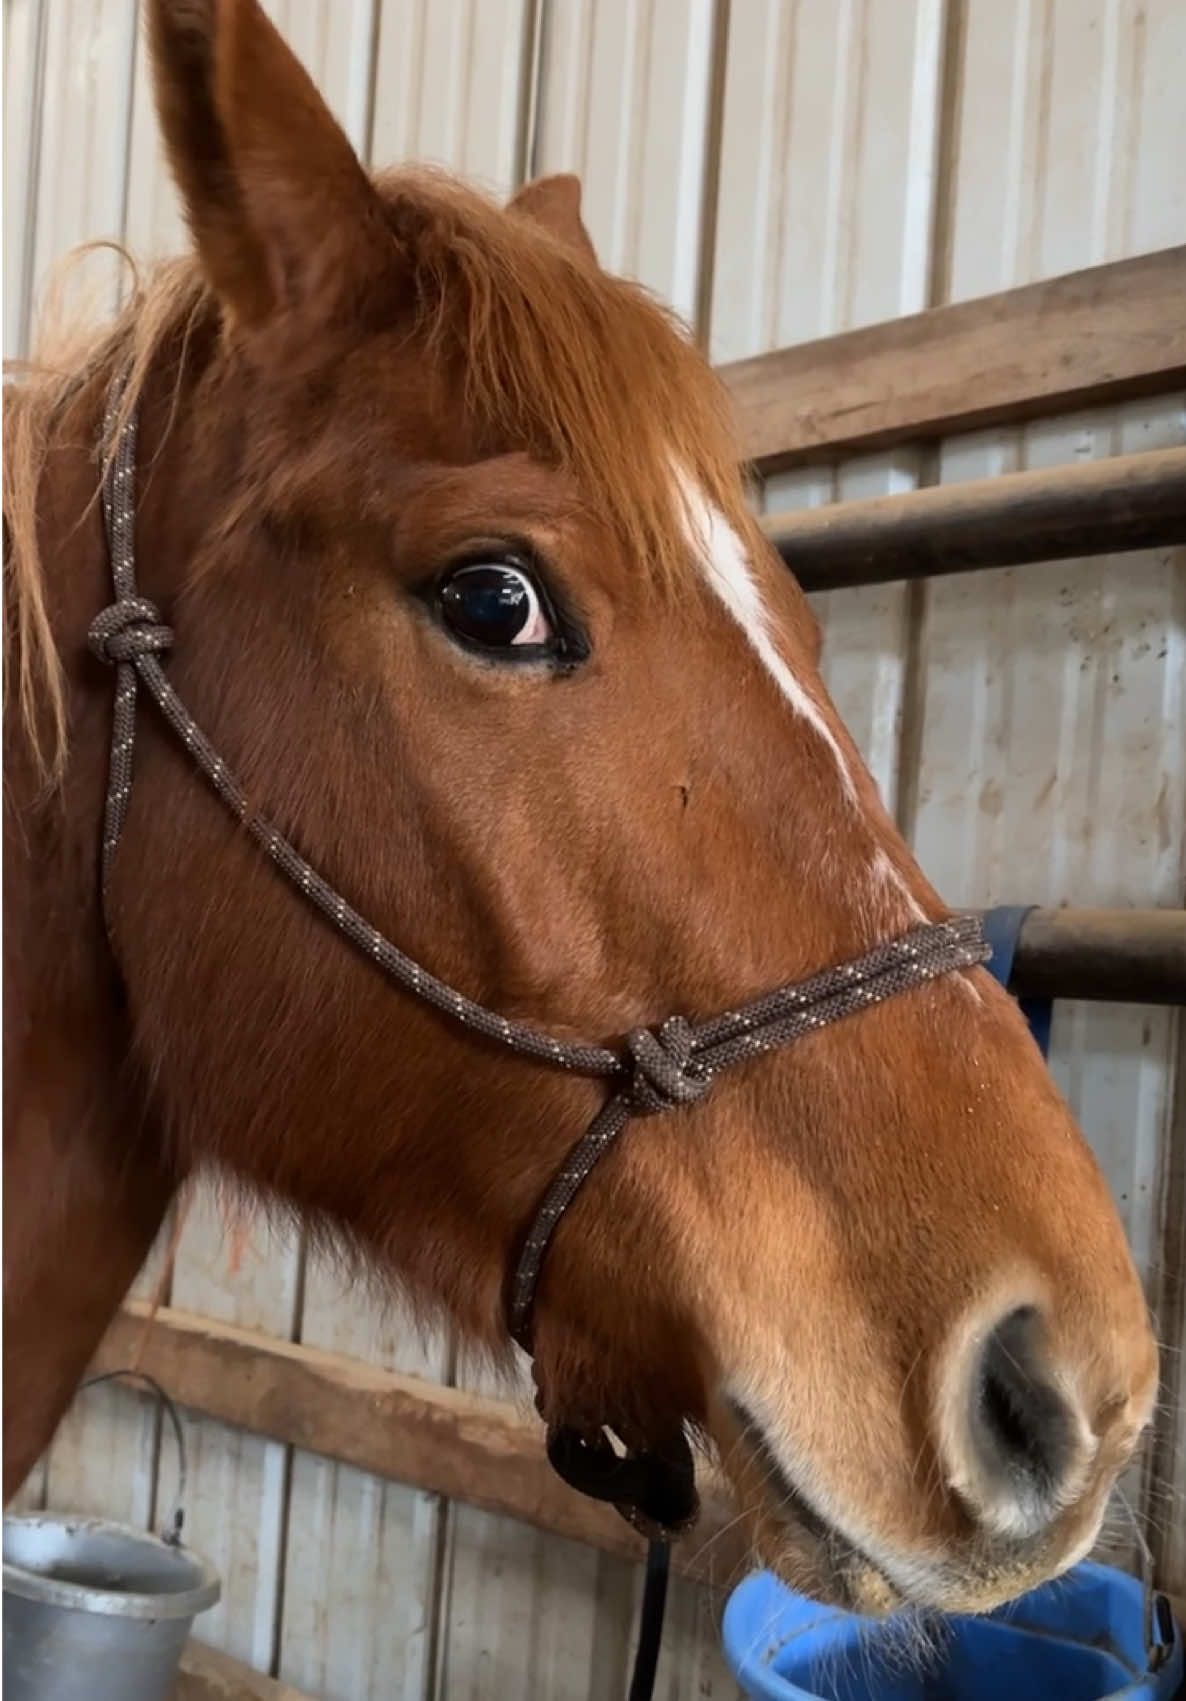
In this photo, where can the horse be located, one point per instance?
(452, 532)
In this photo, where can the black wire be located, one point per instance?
(650, 1630)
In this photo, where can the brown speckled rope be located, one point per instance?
(656, 1070)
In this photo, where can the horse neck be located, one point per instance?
(87, 1178)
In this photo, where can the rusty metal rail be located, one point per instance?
(1089, 508)
(1118, 956)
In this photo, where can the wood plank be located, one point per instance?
(207, 1674)
(465, 1446)
(1102, 334)
(1086, 508)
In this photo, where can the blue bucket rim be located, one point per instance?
(754, 1665)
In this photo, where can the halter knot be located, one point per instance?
(664, 1072)
(129, 628)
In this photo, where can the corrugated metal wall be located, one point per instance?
(778, 169)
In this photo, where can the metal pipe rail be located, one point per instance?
(1088, 508)
(1114, 956)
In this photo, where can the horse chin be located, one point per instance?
(815, 1558)
(826, 1569)
(800, 1546)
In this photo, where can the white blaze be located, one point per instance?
(723, 557)
(884, 869)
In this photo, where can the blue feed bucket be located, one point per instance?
(1081, 1638)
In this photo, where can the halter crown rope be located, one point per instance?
(657, 1070)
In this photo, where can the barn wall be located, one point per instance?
(778, 169)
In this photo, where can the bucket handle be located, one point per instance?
(171, 1530)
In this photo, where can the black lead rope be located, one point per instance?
(650, 1625)
(652, 1071)
(655, 1492)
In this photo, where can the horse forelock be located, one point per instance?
(545, 352)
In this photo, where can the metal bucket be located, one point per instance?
(94, 1611)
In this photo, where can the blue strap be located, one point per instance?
(1002, 929)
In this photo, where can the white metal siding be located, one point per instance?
(777, 169)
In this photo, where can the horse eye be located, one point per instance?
(494, 605)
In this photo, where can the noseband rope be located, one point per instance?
(656, 1069)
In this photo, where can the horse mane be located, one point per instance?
(581, 368)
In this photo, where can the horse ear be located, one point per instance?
(555, 203)
(282, 213)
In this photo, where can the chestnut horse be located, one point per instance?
(450, 528)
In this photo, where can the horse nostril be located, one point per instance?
(1022, 1428)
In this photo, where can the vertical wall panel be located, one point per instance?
(119, 1424)
(1150, 192)
(828, 155)
(24, 54)
(235, 1269)
(153, 222)
(825, 219)
(361, 1559)
(519, 1610)
(1069, 138)
(334, 45)
(1050, 770)
(623, 102)
(30, 1497)
(529, 1614)
(120, 1428)
(1051, 723)
(449, 86)
(82, 157)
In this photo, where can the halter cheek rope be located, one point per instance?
(655, 1070)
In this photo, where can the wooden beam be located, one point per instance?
(207, 1674)
(1100, 335)
(1122, 956)
(460, 1445)
(1087, 508)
